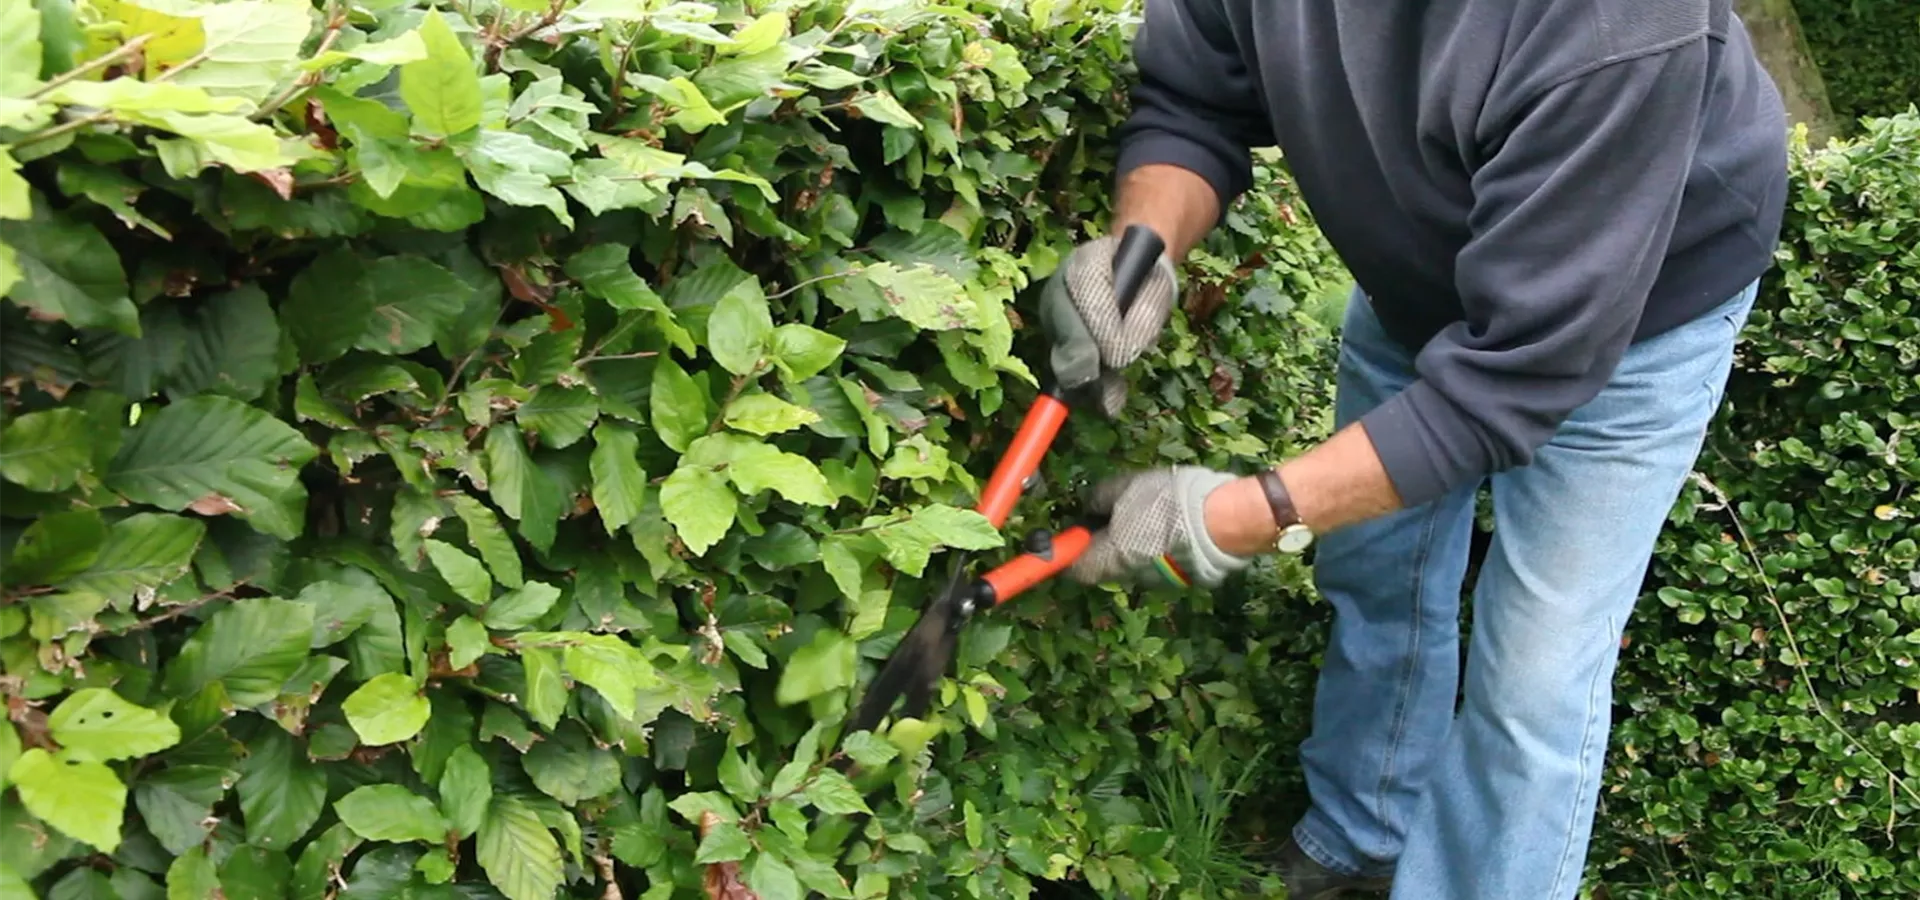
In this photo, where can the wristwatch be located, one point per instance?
(1294, 535)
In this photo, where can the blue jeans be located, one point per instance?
(1496, 801)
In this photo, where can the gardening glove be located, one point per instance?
(1156, 528)
(1080, 312)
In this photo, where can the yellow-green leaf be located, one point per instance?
(100, 725)
(386, 710)
(406, 48)
(19, 47)
(765, 414)
(85, 800)
(16, 196)
(442, 88)
(250, 46)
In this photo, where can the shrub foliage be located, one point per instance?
(1770, 742)
(482, 450)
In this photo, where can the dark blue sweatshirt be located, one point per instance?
(1521, 187)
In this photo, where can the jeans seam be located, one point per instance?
(1582, 785)
(1399, 730)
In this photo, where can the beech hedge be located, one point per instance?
(481, 450)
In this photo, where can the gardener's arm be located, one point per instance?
(1570, 225)
(1185, 151)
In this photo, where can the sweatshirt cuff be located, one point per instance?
(1149, 147)
(1425, 444)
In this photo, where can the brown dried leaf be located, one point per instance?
(281, 180)
(722, 881)
(214, 505)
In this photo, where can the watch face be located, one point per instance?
(1295, 539)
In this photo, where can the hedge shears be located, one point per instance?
(926, 651)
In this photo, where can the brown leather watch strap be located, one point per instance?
(1278, 499)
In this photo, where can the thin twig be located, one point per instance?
(1793, 643)
(740, 383)
(336, 20)
(184, 608)
(642, 354)
(125, 50)
(46, 134)
(811, 281)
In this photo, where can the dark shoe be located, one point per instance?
(1307, 879)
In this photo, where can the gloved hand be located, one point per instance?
(1156, 528)
(1092, 342)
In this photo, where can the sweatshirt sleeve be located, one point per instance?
(1571, 217)
(1195, 103)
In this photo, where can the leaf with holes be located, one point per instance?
(84, 800)
(99, 725)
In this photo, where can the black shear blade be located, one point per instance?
(921, 657)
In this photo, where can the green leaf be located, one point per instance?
(442, 90)
(231, 347)
(570, 769)
(523, 490)
(765, 414)
(192, 876)
(545, 697)
(412, 300)
(99, 725)
(615, 669)
(833, 794)
(56, 547)
(925, 296)
(825, 663)
(250, 647)
(725, 842)
(521, 606)
(880, 106)
(619, 484)
(248, 45)
(604, 272)
(518, 170)
(559, 416)
(9, 752)
(386, 710)
(85, 800)
(802, 351)
(680, 408)
(141, 551)
(699, 505)
(740, 329)
(176, 803)
(517, 852)
(217, 455)
(467, 641)
(20, 56)
(761, 467)
(403, 48)
(465, 574)
(67, 271)
(868, 749)
(47, 450)
(771, 879)
(282, 794)
(466, 790)
(739, 776)
(487, 536)
(230, 141)
(389, 812)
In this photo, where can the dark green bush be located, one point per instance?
(1770, 737)
(1868, 52)
(481, 451)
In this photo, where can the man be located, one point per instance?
(1556, 213)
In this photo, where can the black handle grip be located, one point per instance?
(1139, 251)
